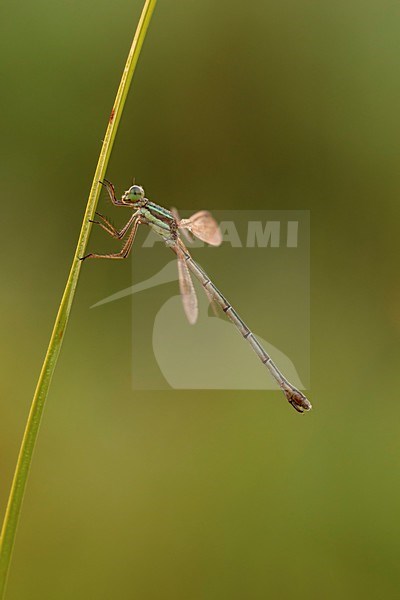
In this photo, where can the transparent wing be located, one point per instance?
(203, 225)
(180, 251)
(188, 293)
(186, 233)
(213, 304)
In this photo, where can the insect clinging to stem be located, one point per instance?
(168, 225)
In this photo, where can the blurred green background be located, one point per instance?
(204, 495)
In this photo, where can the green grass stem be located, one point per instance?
(32, 426)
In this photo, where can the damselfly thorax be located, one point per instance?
(160, 220)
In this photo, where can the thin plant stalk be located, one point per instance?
(32, 426)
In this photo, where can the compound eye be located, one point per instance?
(137, 190)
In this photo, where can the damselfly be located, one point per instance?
(202, 225)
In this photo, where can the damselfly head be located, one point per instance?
(134, 194)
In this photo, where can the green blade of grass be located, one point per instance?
(32, 426)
